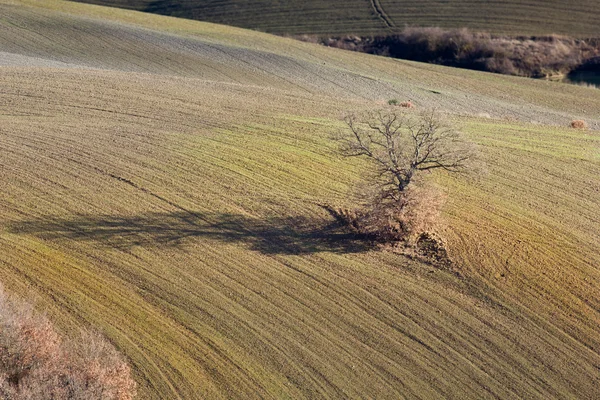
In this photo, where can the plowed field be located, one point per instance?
(160, 181)
(525, 17)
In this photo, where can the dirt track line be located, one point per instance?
(143, 189)
(134, 185)
(381, 14)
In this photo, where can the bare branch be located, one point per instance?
(402, 143)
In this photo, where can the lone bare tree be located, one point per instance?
(401, 145)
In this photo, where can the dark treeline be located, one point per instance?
(536, 57)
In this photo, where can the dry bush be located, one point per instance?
(401, 220)
(30, 350)
(538, 57)
(99, 370)
(404, 219)
(36, 364)
(406, 227)
(533, 57)
(403, 104)
(579, 124)
(421, 210)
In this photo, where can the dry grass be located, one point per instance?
(171, 200)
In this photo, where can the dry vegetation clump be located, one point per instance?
(35, 363)
(579, 124)
(407, 227)
(416, 211)
(540, 56)
(403, 104)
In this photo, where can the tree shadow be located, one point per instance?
(273, 235)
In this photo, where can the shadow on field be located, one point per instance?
(275, 235)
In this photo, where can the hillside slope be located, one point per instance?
(525, 17)
(162, 185)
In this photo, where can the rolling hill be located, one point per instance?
(161, 182)
(367, 17)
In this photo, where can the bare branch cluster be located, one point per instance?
(401, 144)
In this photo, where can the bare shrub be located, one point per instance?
(421, 210)
(403, 104)
(538, 57)
(99, 371)
(35, 363)
(417, 210)
(579, 124)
